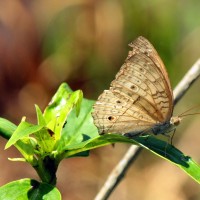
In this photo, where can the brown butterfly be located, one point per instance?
(140, 99)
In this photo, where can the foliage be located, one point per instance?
(65, 129)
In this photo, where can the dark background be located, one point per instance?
(84, 43)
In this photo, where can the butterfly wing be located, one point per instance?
(139, 97)
(143, 46)
(118, 114)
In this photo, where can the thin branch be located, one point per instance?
(187, 81)
(120, 170)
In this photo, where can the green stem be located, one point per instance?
(46, 170)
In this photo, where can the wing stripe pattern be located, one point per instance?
(139, 98)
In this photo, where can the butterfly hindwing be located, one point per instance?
(118, 115)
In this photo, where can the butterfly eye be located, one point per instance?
(133, 87)
(147, 52)
(111, 118)
(118, 101)
(141, 69)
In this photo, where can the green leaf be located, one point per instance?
(40, 118)
(172, 154)
(79, 129)
(57, 103)
(6, 128)
(61, 105)
(27, 189)
(45, 139)
(96, 142)
(78, 97)
(27, 148)
(24, 129)
(155, 145)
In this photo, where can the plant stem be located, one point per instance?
(46, 170)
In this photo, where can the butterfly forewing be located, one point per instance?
(146, 82)
(142, 46)
(139, 97)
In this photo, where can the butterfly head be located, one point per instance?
(175, 121)
(167, 126)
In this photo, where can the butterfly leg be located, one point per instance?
(173, 135)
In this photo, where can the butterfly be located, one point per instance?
(140, 99)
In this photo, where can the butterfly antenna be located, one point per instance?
(185, 112)
(197, 113)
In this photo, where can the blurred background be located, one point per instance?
(84, 43)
